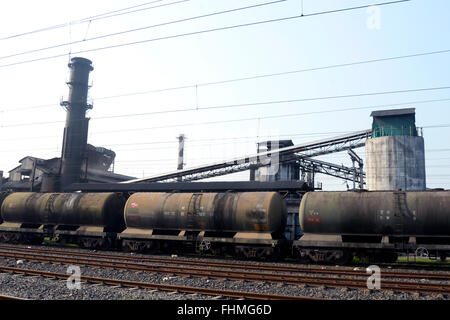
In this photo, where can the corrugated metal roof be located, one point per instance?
(394, 112)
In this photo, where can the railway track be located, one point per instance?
(11, 298)
(417, 266)
(156, 286)
(290, 275)
(247, 266)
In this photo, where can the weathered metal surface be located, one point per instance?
(73, 209)
(3, 195)
(412, 213)
(395, 162)
(218, 212)
(76, 129)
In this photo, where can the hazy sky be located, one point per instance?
(147, 144)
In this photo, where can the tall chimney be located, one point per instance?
(180, 154)
(76, 129)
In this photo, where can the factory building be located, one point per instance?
(281, 169)
(395, 152)
(36, 174)
(284, 168)
(79, 161)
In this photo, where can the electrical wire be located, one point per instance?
(239, 79)
(259, 104)
(109, 14)
(140, 29)
(201, 32)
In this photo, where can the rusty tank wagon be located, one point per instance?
(212, 221)
(64, 216)
(249, 224)
(335, 226)
(386, 222)
(209, 212)
(423, 215)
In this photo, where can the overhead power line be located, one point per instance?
(241, 79)
(437, 126)
(140, 29)
(289, 101)
(58, 149)
(264, 103)
(196, 140)
(242, 120)
(202, 32)
(105, 15)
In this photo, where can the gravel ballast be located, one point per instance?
(43, 288)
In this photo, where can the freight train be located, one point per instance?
(329, 227)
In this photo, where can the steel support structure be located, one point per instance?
(330, 169)
(303, 151)
(293, 187)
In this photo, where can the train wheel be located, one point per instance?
(392, 257)
(8, 238)
(92, 243)
(86, 243)
(275, 256)
(238, 254)
(386, 257)
(34, 239)
(153, 246)
(345, 259)
(125, 246)
(4, 237)
(133, 246)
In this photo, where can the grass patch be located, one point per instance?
(404, 259)
(50, 242)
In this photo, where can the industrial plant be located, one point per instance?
(267, 223)
(271, 215)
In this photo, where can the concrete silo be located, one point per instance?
(395, 153)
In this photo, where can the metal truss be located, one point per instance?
(221, 172)
(331, 169)
(336, 145)
(304, 151)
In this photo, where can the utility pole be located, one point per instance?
(180, 155)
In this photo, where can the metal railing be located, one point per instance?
(384, 131)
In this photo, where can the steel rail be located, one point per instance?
(240, 275)
(233, 265)
(157, 286)
(11, 298)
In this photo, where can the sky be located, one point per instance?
(169, 53)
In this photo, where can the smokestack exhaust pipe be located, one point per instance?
(77, 125)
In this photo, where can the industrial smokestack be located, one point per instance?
(180, 154)
(76, 129)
